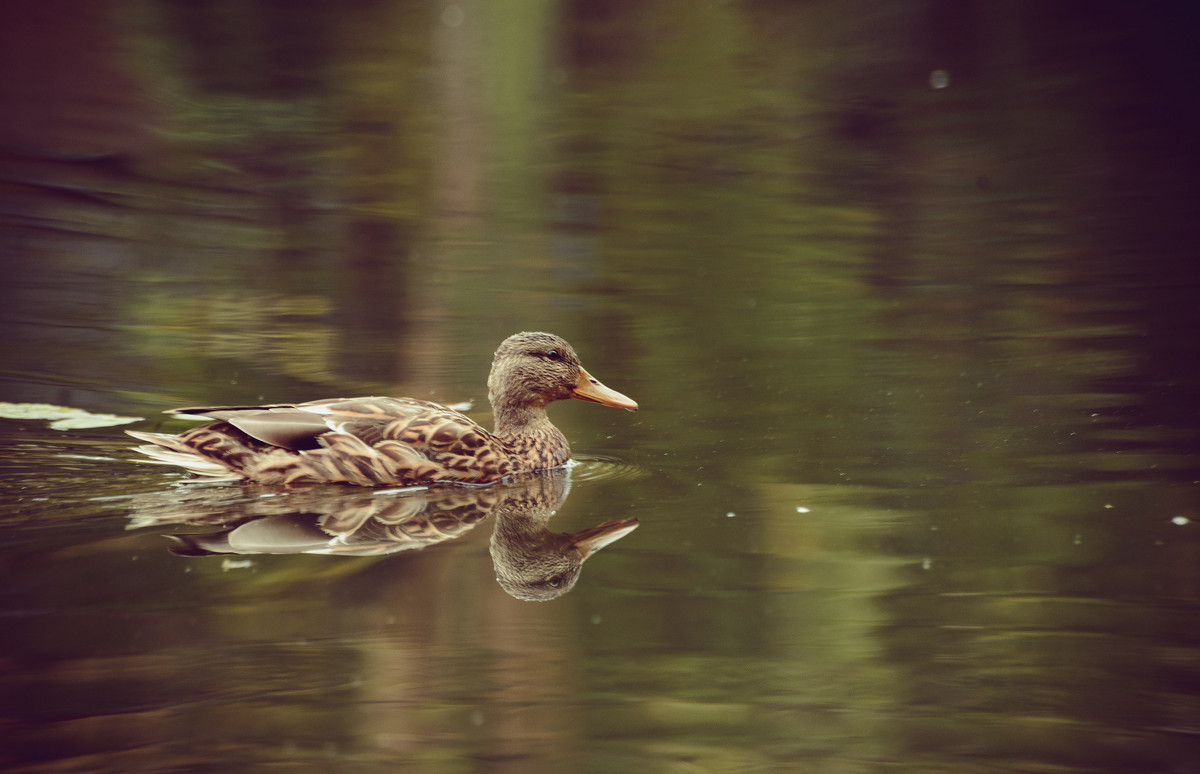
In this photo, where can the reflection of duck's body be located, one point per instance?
(373, 441)
(531, 562)
(343, 523)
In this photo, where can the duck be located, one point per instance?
(382, 441)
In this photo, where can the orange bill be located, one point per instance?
(588, 388)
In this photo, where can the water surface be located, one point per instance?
(905, 293)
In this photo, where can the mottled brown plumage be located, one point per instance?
(395, 441)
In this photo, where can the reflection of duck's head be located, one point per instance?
(534, 564)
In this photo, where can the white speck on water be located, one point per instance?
(236, 564)
(1108, 505)
(939, 79)
(801, 509)
(926, 563)
(1077, 540)
(730, 514)
(1180, 521)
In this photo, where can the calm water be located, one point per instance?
(906, 292)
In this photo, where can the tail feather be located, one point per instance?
(164, 449)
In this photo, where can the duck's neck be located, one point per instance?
(513, 421)
(527, 431)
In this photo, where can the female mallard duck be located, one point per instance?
(396, 441)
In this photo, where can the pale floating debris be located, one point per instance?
(465, 405)
(802, 509)
(730, 514)
(236, 564)
(926, 563)
(1180, 521)
(1077, 540)
(939, 79)
(1108, 506)
(63, 417)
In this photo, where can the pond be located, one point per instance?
(906, 295)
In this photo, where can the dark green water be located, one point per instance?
(906, 293)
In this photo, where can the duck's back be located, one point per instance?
(366, 441)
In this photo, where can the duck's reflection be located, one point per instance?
(531, 562)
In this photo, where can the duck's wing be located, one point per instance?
(298, 426)
(368, 441)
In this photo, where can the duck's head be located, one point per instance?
(532, 370)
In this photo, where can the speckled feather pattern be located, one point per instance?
(395, 441)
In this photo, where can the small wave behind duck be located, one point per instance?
(596, 467)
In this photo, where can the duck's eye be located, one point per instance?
(555, 582)
(553, 354)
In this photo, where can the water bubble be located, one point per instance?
(453, 16)
(801, 509)
(1180, 521)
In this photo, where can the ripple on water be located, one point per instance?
(595, 467)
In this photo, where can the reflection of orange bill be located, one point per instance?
(591, 540)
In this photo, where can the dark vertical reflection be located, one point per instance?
(64, 87)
